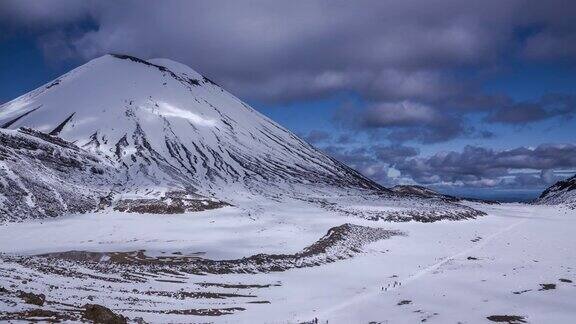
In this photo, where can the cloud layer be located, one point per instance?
(386, 50)
(474, 166)
(418, 67)
(477, 166)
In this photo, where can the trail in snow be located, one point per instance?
(364, 296)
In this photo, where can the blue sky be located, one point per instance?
(477, 99)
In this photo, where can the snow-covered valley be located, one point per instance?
(518, 260)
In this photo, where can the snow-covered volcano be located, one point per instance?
(157, 137)
(167, 127)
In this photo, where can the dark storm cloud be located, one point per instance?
(36, 15)
(373, 161)
(424, 123)
(362, 160)
(404, 121)
(555, 31)
(403, 114)
(477, 166)
(548, 46)
(520, 113)
(549, 106)
(354, 157)
(394, 154)
(473, 167)
(388, 154)
(286, 50)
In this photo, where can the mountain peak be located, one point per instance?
(165, 126)
(175, 66)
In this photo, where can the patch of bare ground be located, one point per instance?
(547, 286)
(30, 298)
(235, 286)
(510, 319)
(196, 294)
(36, 315)
(206, 311)
(125, 257)
(171, 203)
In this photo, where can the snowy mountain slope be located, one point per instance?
(561, 193)
(168, 128)
(42, 175)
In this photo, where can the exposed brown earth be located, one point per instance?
(101, 314)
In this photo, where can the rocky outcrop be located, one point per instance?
(44, 176)
(561, 193)
(100, 314)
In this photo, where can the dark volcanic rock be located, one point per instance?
(510, 319)
(547, 287)
(101, 314)
(171, 203)
(34, 299)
